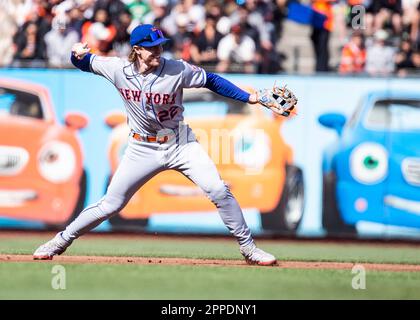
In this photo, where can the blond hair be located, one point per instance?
(132, 57)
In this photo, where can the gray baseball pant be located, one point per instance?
(143, 160)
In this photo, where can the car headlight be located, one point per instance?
(57, 161)
(252, 148)
(369, 163)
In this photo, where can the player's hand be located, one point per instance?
(79, 50)
(253, 98)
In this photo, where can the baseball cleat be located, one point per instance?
(253, 255)
(55, 246)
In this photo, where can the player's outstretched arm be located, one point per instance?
(279, 100)
(226, 88)
(80, 56)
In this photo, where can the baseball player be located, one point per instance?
(151, 88)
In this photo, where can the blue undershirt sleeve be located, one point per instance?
(83, 64)
(225, 88)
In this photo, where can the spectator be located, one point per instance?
(197, 28)
(99, 33)
(121, 44)
(321, 35)
(19, 10)
(86, 7)
(42, 23)
(229, 7)
(182, 40)
(189, 8)
(387, 12)
(204, 47)
(415, 26)
(379, 56)
(159, 9)
(279, 13)
(112, 7)
(236, 47)
(8, 27)
(76, 21)
(271, 58)
(250, 23)
(353, 56)
(404, 58)
(29, 48)
(416, 60)
(59, 42)
(43, 13)
(138, 9)
(254, 18)
(214, 9)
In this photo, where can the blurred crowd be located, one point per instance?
(380, 36)
(389, 41)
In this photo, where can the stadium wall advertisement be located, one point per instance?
(347, 164)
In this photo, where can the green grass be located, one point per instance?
(89, 281)
(221, 249)
(106, 281)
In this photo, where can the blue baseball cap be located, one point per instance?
(147, 35)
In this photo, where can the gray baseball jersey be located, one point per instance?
(153, 101)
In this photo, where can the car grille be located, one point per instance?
(12, 160)
(411, 170)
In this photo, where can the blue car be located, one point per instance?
(372, 172)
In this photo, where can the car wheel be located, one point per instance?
(286, 217)
(80, 204)
(331, 218)
(119, 223)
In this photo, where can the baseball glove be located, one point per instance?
(279, 100)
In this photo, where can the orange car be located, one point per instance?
(41, 163)
(249, 152)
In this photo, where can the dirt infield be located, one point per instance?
(72, 259)
(208, 262)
